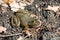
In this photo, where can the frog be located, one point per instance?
(24, 18)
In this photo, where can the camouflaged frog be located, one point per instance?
(25, 19)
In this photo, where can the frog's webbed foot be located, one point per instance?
(26, 32)
(30, 33)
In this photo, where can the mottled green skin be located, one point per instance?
(24, 18)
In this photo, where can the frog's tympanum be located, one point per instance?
(25, 19)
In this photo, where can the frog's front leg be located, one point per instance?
(15, 22)
(26, 27)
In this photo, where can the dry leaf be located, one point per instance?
(54, 8)
(2, 29)
(14, 6)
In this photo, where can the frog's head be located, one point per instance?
(35, 22)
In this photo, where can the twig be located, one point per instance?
(10, 35)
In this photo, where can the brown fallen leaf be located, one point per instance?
(8, 1)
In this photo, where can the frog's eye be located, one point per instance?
(32, 21)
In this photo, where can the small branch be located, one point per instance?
(10, 35)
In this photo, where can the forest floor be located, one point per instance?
(48, 12)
